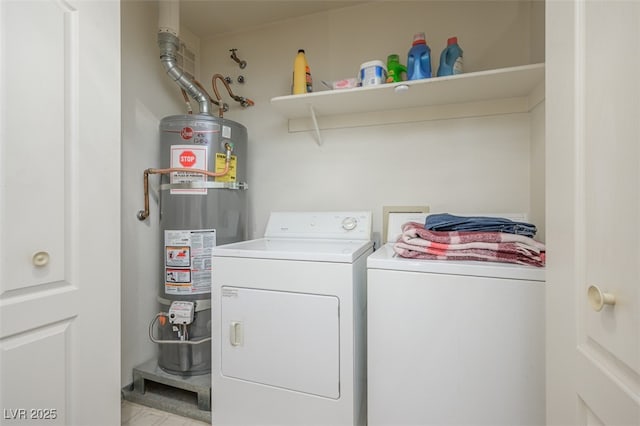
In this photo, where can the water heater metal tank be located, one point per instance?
(196, 213)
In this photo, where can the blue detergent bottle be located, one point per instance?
(419, 61)
(450, 58)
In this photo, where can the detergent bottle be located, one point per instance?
(419, 61)
(301, 74)
(394, 69)
(450, 58)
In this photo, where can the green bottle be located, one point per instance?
(394, 69)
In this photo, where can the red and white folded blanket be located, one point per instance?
(419, 243)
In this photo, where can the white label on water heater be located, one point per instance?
(226, 132)
(188, 157)
(187, 261)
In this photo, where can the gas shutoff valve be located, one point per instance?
(181, 312)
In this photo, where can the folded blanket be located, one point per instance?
(415, 230)
(472, 254)
(419, 243)
(439, 248)
(449, 222)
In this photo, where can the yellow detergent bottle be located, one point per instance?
(299, 85)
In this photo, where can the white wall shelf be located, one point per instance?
(499, 91)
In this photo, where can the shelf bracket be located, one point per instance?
(315, 125)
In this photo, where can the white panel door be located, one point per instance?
(282, 339)
(60, 210)
(593, 223)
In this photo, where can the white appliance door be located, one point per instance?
(60, 212)
(593, 160)
(282, 339)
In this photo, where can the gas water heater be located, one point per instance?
(202, 202)
(198, 211)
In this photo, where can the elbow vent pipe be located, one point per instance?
(169, 45)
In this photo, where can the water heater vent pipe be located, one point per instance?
(169, 44)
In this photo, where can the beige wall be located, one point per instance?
(147, 96)
(462, 165)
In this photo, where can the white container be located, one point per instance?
(373, 73)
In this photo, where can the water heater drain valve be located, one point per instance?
(181, 312)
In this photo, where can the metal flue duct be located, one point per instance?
(169, 44)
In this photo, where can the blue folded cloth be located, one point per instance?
(449, 222)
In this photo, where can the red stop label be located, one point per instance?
(187, 159)
(186, 133)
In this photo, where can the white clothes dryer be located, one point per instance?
(289, 322)
(453, 342)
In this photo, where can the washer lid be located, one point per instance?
(316, 249)
(386, 258)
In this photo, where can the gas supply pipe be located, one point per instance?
(143, 214)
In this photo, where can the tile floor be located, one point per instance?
(140, 415)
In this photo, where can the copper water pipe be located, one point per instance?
(244, 102)
(143, 214)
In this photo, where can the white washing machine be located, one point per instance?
(289, 312)
(453, 342)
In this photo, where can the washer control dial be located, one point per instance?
(349, 223)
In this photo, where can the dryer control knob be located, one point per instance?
(349, 223)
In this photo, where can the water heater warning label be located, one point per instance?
(221, 160)
(178, 275)
(187, 261)
(188, 157)
(178, 256)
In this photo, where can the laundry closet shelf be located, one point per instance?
(498, 91)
